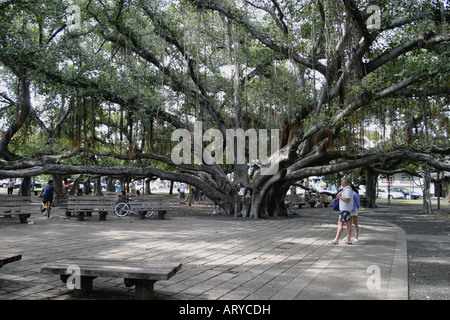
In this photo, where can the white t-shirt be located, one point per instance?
(346, 206)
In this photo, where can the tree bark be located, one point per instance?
(371, 188)
(276, 206)
(25, 187)
(427, 207)
(23, 107)
(57, 179)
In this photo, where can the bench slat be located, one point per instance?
(138, 274)
(149, 206)
(115, 269)
(82, 204)
(16, 205)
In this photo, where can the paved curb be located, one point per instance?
(397, 290)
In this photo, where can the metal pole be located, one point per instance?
(235, 206)
(438, 191)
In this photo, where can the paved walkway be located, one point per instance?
(223, 258)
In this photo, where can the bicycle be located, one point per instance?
(46, 209)
(123, 209)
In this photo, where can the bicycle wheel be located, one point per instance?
(149, 214)
(44, 210)
(121, 209)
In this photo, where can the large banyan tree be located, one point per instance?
(103, 88)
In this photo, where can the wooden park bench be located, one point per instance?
(86, 204)
(325, 199)
(17, 205)
(149, 203)
(364, 202)
(295, 200)
(6, 258)
(142, 275)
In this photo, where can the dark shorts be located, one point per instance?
(47, 199)
(344, 216)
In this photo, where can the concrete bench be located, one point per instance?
(85, 205)
(295, 200)
(147, 203)
(8, 258)
(17, 205)
(364, 202)
(142, 275)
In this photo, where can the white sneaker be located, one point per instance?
(346, 241)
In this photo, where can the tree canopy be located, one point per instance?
(98, 88)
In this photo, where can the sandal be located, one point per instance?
(345, 241)
(332, 242)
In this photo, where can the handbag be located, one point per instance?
(335, 204)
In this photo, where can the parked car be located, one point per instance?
(362, 191)
(36, 186)
(404, 191)
(382, 194)
(415, 195)
(4, 183)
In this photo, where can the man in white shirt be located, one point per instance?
(345, 207)
(10, 185)
(182, 189)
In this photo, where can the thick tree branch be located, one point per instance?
(352, 8)
(364, 162)
(117, 172)
(422, 92)
(22, 113)
(420, 41)
(401, 21)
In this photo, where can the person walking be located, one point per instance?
(118, 186)
(132, 187)
(47, 197)
(182, 190)
(10, 185)
(355, 212)
(345, 207)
